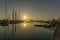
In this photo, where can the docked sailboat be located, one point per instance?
(5, 21)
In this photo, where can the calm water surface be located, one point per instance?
(25, 31)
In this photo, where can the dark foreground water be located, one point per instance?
(25, 31)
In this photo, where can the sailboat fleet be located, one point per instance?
(5, 21)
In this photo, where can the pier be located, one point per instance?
(57, 33)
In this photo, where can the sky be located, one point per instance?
(34, 9)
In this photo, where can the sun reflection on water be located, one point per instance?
(24, 24)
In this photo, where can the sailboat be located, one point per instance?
(5, 20)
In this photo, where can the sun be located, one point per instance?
(24, 17)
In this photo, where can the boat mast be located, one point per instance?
(13, 15)
(5, 9)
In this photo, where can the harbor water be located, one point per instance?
(25, 31)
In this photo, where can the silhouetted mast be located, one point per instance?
(5, 9)
(13, 15)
